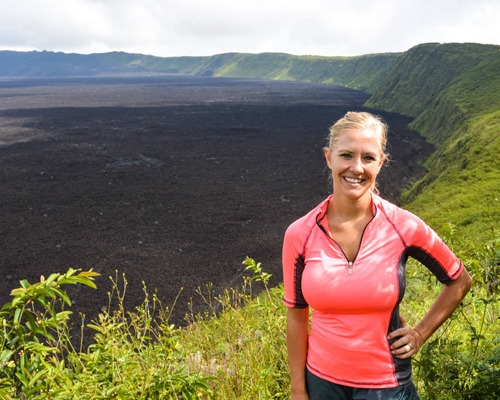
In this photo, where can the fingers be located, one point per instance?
(407, 343)
(398, 332)
(403, 331)
(404, 347)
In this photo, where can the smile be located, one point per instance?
(352, 180)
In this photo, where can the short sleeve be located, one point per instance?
(293, 267)
(425, 245)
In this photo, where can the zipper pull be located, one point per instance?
(350, 267)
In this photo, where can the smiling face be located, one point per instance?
(355, 159)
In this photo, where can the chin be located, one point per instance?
(356, 195)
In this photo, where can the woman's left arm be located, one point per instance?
(450, 297)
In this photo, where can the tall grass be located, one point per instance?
(235, 349)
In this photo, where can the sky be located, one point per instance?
(206, 27)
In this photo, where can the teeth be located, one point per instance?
(352, 180)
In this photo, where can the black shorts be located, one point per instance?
(321, 389)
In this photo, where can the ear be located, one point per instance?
(382, 161)
(328, 156)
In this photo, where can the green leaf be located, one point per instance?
(51, 278)
(18, 292)
(47, 292)
(42, 300)
(5, 357)
(63, 296)
(66, 281)
(17, 315)
(70, 272)
(32, 287)
(16, 300)
(31, 324)
(22, 378)
(37, 377)
(44, 333)
(63, 315)
(89, 273)
(85, 281)
(96, 327)
(25, 284)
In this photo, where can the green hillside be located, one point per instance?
(453, 91)
(363, 72)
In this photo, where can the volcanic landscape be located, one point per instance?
(169, 180)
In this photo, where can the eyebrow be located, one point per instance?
(350, 152)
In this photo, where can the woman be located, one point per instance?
(346, 260)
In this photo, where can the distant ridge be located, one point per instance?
(361, 72)
(52, 64)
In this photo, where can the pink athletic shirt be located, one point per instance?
(355, 305)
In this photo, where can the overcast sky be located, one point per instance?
(207, 27)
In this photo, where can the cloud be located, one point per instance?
(201, 27)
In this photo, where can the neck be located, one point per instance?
(349, 209)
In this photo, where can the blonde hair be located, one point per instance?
(359, 121)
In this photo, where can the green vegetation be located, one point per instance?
(235, 350)
(363, 72)
(135, 355)
(453, 91)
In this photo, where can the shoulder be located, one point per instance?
(393, 212)
(408, 225)
(300, 228)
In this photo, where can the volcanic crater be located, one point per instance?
(169, 180)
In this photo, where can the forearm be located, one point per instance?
(297, 332)
(409, 341)
(445, 304)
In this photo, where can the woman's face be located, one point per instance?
(355, 161)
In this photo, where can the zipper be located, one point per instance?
(349, 263)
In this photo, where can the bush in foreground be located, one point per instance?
(235, 350)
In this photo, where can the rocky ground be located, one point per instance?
(171, 181)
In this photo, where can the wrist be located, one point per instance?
(419, 338)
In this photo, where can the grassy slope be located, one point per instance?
(453, 91)
(363, 72)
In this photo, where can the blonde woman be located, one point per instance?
(345, 260)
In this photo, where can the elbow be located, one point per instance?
(465, 282)
(461, 285)
(468, 283)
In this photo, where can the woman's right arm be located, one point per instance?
(297, 332)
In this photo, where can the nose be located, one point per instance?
(356, 165)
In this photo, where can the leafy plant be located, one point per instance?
(33, 335)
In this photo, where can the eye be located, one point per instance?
(369, 158)
(346, 155)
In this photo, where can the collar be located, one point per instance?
(323, 208)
